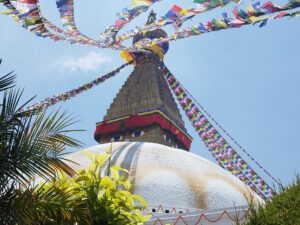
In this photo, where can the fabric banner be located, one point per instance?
(220, 149)
(74, 92)
(126, 16)
(254, 14)
(176, 16)
(27, 13)
(66, 10)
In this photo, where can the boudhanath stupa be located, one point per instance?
(150, 140)
(143, 128)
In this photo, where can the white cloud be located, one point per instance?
(90, 62)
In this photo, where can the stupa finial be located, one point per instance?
(151, 18)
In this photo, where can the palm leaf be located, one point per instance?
(37, 147)
(32, 143)
(49, 205)
(7, 81)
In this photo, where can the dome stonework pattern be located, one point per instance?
(172, 177)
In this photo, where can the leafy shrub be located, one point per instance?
(32, 143)
(283, 209)
(106, 196)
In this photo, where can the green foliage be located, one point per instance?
(49, 205)
(107, 196)
(283, 209)
(31, 143)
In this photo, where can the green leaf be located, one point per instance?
(107, 182)
(120, 169)
(89, 155)
(101, 193)
(101, 159)
(82, 178)
(114, 173)
(146, 218)
(127, 184)
(7, 81)
(140, 200)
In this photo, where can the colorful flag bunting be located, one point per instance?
(27, 13)
(255, 14)
(220, 149)
(74, 92)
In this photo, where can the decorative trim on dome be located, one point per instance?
(183, 216)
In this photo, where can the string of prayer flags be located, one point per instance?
(27, 13)
(126, 16)
(17, 16)
(74, 92)
(176, 16)
(255, 14)
(30, 14)
(210, 4)
(11, 11)
(220, 149)
(66, 10)
(138, 7)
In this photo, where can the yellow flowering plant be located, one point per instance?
(105, 190)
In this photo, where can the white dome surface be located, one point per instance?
(172, 177)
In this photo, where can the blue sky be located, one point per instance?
(247, 78)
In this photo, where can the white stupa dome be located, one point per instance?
(172, 177)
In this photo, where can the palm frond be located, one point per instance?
(7, 196)
(33, 143)
(37, 147)
(7, 81)
(49, 205)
